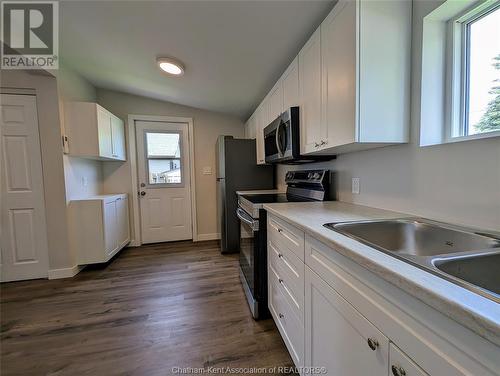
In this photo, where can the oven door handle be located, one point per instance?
(245, 218)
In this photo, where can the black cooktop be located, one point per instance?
(273, 197)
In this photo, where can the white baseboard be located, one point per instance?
(65, 272)
(202, 237)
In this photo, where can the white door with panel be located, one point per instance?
(338, 337)
(164, 181)
(24, 250)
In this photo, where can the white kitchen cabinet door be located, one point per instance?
(338, 33)
(290, 83)
(311, 129)
(104, 133)
(122, 230)
(117, 138)
(250, 128)
(276, 101)
(402, 365)
(338, 337)
(262, 122)
(110, 226)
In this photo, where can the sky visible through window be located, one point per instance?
(484, 74)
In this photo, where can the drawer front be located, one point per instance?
(401, 365)
(290, 327)
(286, 235)
(290, 271)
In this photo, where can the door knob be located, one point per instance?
(142, 193)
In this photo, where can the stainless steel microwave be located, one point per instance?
(282, 140)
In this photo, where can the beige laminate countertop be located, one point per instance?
(479, 314)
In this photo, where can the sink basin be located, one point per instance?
(414, 237)
(459, 255)
(480, 270)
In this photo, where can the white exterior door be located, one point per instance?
(164, 181)
(23, 231)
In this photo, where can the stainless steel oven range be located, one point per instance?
(308, 185)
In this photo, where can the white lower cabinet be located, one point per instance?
(338, 338)
(99, 227)
(401, 364)
(338, 318)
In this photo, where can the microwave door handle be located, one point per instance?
(244, 217)
(278, 144)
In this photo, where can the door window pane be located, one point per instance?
(165, 145)
(483, 95)
(163, 152)
(164, 171)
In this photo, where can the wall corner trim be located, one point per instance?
(64, 272)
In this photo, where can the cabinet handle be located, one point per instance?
(280, 230)
(280, 255)
(398, 371)
(316, 145)
(280, 280)
(280, 315)
(323, 142)
(372, 343)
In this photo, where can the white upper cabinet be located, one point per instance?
(262, 116)
(276, 101)
(311, 128)
(365, 52)
(290, 84)
(94, 132)
(339, 75)
(250, 128)
(351, 80)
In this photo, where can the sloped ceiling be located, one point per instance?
(233, 51)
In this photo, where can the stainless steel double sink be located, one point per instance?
(462, 256)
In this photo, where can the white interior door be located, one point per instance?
(23, 231)
(164, 181)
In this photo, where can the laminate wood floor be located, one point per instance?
(150, 309)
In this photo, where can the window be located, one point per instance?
(480, 76)
(164, 155)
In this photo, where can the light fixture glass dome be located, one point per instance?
(170, 66)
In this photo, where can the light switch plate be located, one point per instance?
(85, 181)
(355, 186)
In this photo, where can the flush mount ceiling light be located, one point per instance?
(170, 66)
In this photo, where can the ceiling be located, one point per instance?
(233, 51)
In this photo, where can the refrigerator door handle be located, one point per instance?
(245, 218)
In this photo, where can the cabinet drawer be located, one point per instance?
(284, 234)
(290, 327)
(401, 365)
(290, 271)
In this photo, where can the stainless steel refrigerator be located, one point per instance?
(237, 170)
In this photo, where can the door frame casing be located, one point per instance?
(134, 181)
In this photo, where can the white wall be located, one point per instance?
(207, 127)
(83, 176)
(458, 183)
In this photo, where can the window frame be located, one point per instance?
(147, 158)
(458, 77)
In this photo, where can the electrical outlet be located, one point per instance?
(85, 181)
(355, 186)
